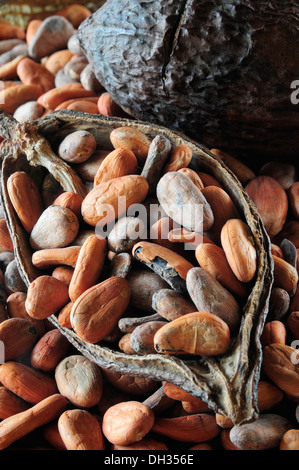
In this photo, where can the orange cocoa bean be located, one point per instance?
(5, 238)
(33, 73)
(274, 332)
(52, 98)
(71, 201)
(179, 158)
(132, 139)
(89, 266)
(120, 162)
(25, 198)
(236, 241)
(10, 31)
(45, 296)
(30, 384)
(80, 430)
(63, 273)
(13, 97)
(23, 423)
(51, 348)
(44, 259)
(10, 403)
(132, 189)
(199, 333)
(58, 60)
(96, 312)
(199, 427)
(127, 422)
(18, 336)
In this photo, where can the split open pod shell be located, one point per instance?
(228, 382)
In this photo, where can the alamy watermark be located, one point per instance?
(295, 93)
(188, 218)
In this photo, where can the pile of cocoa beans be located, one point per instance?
(43, 69)
(173, 284)
(142, 292)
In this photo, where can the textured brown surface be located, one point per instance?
(220, 72)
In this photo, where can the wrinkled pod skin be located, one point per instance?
(207, 69)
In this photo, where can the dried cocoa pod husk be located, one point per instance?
(227, 383)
